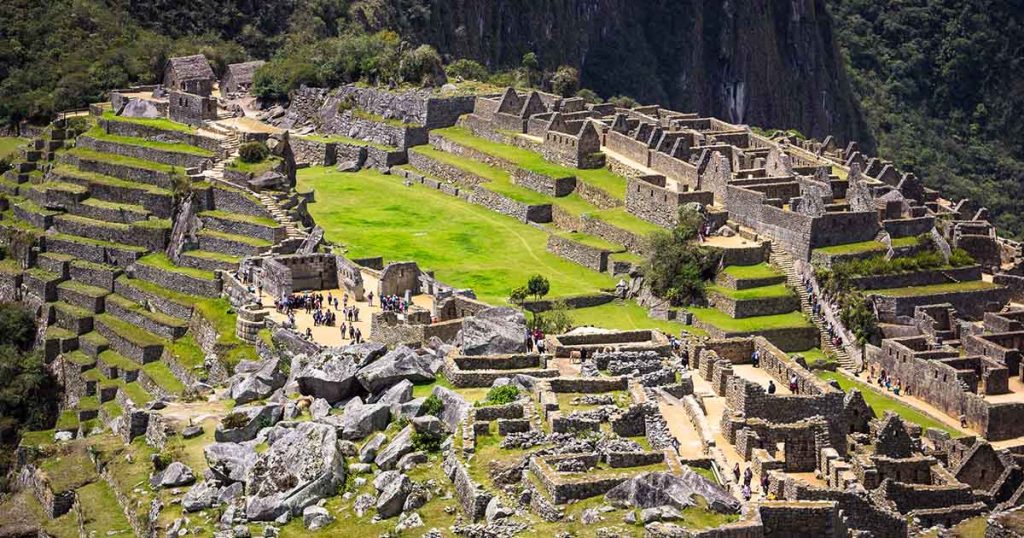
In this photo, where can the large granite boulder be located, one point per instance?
(202, 496)
(653, 490)
(315, 518)
(329, 376)
(140, 108)
(455, 406)
(370, 448)
(261, 382)
(244, 423)
(229, 462)
(401, 363)
(358, 421)
(394, 487)
(174, 475)
(495, 331)
(399, 393)
(399, 446)
(365, 353)
(301, 466)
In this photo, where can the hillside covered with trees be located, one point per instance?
(932, 83)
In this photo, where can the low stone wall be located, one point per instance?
(585, 255)
(789, 340)
(260, 231)
(124, 287)
(235, 200)
(969, 304)
(748, 308)
(726, 280)
(10, 284)
(159, 204)
(507, 206)
(587, 384)
(160, 179)
(444, 171)
(179, 282)
(484, 375)
(597, 196)
(917, 278)
(91, 252)
(563, 490)
(139, 353)
(572, 301)
(147, 237)
(551, 186)
(472, 497)
(149, 132)
(98, 276)
(752, 255)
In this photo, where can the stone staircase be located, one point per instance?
(784, 261)
(230, 145)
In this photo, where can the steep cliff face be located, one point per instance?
(771, 63)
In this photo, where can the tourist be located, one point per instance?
(736, 472)
(755, 358)
(748, 475)
(764, 483)
(675, 445)
(963, 420)
(746, 492)
(369, 297)
(771, 387)
(359, 336)
(896, 388)
(309, 333)
(793, 386)
(343, 330)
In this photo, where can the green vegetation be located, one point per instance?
(626, 315)
(236, 217)
(921, 261)
(100, 510)
(853, 248)
(935, 289)
(157, 123)
(601, 178)
(471, 247)
(763, 292)
(99, 134)
(71, 172)
(501, 395)
(160, 261)
(498, 179)
(243, 239)
(751, 272)
(432, 406)
(111, 158)
(936, 84)
(160, 374)
(253, 152)
(136, 335)
(880, 403)
(677, 267)
(9, 145)
(721, 320)
(256, 168)
(588, 240)
(70, 469)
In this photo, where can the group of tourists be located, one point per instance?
(393, 303)
(535, 337)
(818, 311)
(748, 479)
(888, 382)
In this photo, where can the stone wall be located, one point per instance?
(969, 304)
(512, 208)
(179, 282)
(233, 200)
(585, 255)
(126, 172)
(472, 497)
(648, 199)
(191, 108)
(747, 308)
(918, 278)
(149, 132)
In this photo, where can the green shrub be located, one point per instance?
(253, 152)
(466, 70)
(234, 420)
(502, 395)
(426, 443)
(432, 406)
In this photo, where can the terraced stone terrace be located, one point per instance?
(123, 317)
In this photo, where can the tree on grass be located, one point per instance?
(537, 287)
(253, 152)
(466, 70)
(677, 266)
(565, 81)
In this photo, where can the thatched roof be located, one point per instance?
(191, 67)
(242, 73)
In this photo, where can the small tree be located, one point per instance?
(466, 70)
(565, 81)
(623, 101)
(518, 296)
(677, 267)
(253, 152)
(531, 68)
(589, 96)
(557, 320)
(537, 287)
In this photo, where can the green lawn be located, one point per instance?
(99, 134)
(9, 145)
(751, 272)
(853, 248)
(881, 403)
(112, 158)
(255, 169)
(722, 320)
(588, 240)
(626, 316)
(601, 178)
(498, 179)
(159, 260)
(749, 294)
(467, 245)
(159, 123)
(935, 289)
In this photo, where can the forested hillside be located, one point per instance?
(940, 85)
(933, 82)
